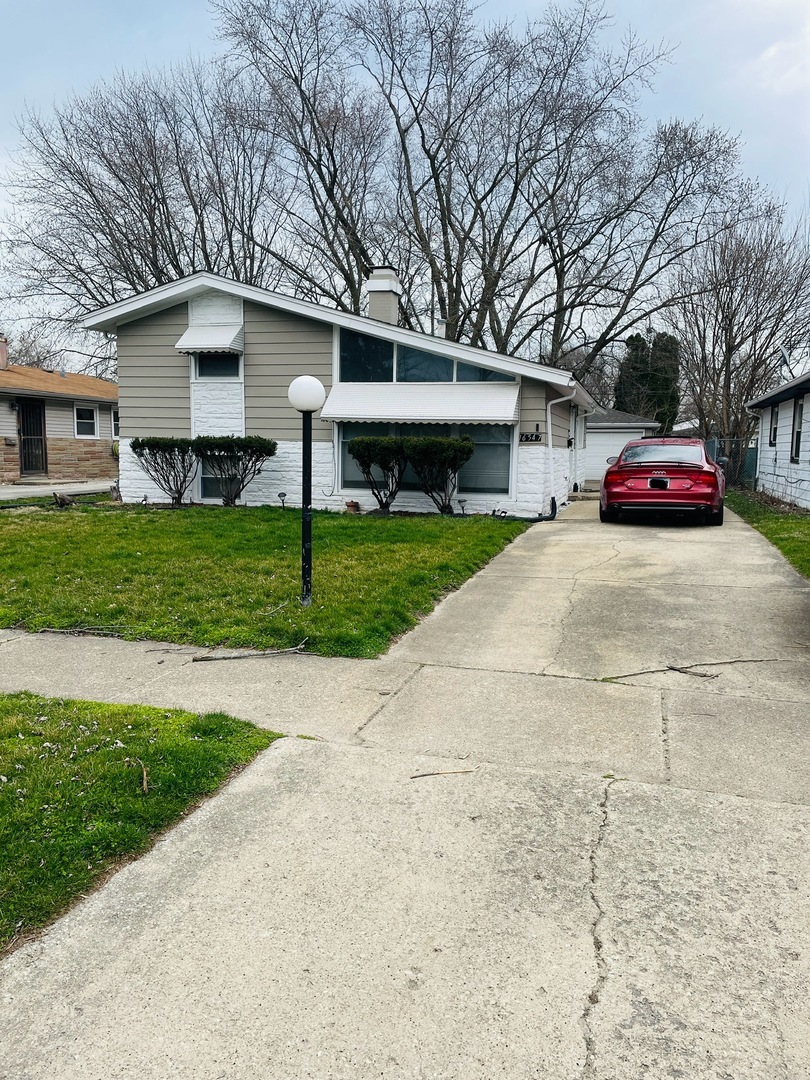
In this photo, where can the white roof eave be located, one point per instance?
(107, 320)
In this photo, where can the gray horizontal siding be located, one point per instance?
(278, 348)
(560, 423)
(153, 378)
(532, 406)
(533, 411)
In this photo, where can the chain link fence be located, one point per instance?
(741, 470)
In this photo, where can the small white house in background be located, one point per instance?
(783, 463)
(608, 432)
(209, 356)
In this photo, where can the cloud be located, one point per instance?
(783, 68)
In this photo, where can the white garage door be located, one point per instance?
(604, 444)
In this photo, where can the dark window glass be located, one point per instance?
(488, 468)
(798, 415)
(365, 359)
(685, 453)
(774, 425)
(218, 365)
(350, 470)
(85, 422)
(471, 373)
(413, 365)
(116, 424)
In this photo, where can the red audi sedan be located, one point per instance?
(663, 474)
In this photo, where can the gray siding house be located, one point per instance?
(206, 355)
(783, 462)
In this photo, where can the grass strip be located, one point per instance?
(787, 529)
(213, 576)
(84, 785)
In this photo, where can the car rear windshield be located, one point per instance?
(689, 453)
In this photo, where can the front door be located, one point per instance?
(33, 458)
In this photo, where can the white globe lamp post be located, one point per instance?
(306, 394)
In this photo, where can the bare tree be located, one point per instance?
(506, 173)
(740, 300)
(144, 180)
(529, 203)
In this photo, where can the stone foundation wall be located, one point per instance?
(9, 461)
(81, 459)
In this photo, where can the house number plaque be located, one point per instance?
(531, 436)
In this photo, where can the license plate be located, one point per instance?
(659, 482)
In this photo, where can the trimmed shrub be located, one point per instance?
(234, 460)
(436, 462)
(382, 462)
(169, 463)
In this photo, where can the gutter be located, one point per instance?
(550, 442)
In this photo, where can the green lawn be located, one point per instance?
(83, 785)
(787, 530)
(212, 576)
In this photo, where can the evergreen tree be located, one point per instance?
(647, 383)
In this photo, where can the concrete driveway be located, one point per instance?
(559, 832)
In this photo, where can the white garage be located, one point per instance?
(607, 434)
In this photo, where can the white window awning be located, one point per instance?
(218, 337)
(425, 403)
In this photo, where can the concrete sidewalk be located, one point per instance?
(9, 492)
(607, 879)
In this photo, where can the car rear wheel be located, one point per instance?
(607, 515)
(715, 518)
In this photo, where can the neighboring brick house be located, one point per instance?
(207, 355)
(55, 426)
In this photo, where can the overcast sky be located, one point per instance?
(741, 64)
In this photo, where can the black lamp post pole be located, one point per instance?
(306, 511)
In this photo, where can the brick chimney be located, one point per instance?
(384, 290)
(3, 353)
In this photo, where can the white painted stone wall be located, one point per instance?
(213, 308)
(283, 473)
(133, 483)
(217, 407)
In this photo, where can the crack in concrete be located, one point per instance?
(561, 627)
(604, 562)
(665, 744)
(588, 1069)
(389, 698)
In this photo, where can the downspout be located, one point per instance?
(550, 462)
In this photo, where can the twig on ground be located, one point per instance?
(249, 655)
(446, 772)
(145, 779)
(97, 631)
(687, 668)
(690, 671)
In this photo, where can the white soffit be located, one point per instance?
(427, 403)
(217, 337)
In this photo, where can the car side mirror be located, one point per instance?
(612, 460)
(722, 462)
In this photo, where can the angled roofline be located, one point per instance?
(797, 387)
(108, 319)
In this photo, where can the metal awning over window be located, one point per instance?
(219, 337)
(426, 403)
